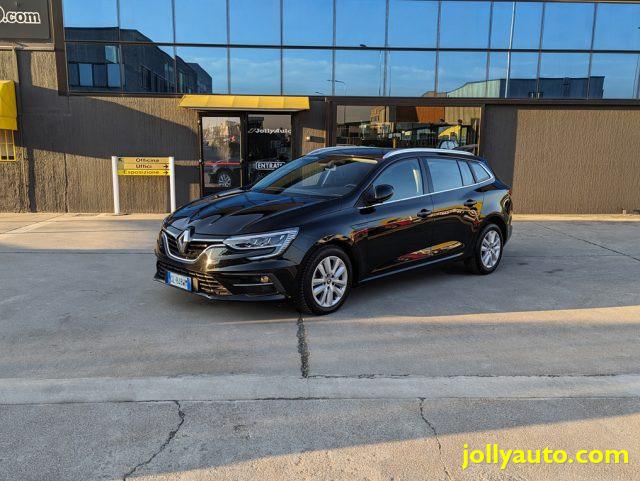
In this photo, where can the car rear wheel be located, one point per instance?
(223, 179)
(325, 281)
(488, 251)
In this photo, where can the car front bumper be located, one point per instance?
(223, 275)
(236, 286)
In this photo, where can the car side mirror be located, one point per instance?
(379, 194)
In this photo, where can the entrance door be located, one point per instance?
(268, 143)
(240, 149)
(221, 153)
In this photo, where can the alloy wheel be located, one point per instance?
(224, 180)
(329, 281)
(490, 249)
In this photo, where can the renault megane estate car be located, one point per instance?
(335, 218)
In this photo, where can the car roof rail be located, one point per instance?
(340, 147)
(429, 151)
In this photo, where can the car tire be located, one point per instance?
(487, 252)
(313, 285)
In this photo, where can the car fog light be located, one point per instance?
(265, 279)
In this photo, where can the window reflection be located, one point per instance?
(462, 74)
(308, 22)
(93, 67)
(221, 141)
(498, 69)
(501, 24)
(201, 21)
(413, 23)
(149, 68)
(411, 74)
(568, 25)
(563, 75)
(359, 72)
(523, 75)
(146, 20)
(360, 22)
(255, 22)
(100, 22)
(527, 24)
(407, 126)
(464, 24)
(617, 27)
(619, 74)
(202, 70)
(255, 71)
(307, 72)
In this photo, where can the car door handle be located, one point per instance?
(424, 213)
(470, 203)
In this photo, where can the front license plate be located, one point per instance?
(179, 281)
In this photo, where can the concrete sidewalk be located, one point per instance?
(108, 375)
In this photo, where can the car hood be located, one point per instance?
(242, 212)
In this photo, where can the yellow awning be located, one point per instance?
(8, 109)
(245, 102)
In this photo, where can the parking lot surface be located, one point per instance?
(109, 375)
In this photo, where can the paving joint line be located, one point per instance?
(303, 347)
(589, 242)
(32, 226)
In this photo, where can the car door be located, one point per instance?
(395, 233)
(457, 202)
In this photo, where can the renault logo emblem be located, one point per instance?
(183, 241)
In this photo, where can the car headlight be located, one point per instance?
(276, 241)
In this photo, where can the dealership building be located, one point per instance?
(548, 92)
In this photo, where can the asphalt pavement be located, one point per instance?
(108, 375)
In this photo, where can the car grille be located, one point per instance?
(201, 282)
(194, 249)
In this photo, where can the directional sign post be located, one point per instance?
(145, 166)
(142, 166)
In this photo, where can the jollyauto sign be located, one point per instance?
(24, 19)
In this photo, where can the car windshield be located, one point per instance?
(326, 176)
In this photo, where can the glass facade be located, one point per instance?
(408, 126)
(398, 48)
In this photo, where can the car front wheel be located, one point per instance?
(325, 281)
(488, 251)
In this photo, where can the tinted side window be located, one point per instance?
(445, 174)
(467, 178)
(405, 178)
(479, 171)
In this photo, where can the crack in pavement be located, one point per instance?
(589, 242)
(435, 434)
(303, 347)
(172, 434)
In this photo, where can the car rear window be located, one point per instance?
(479, 171)
(467, 177)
